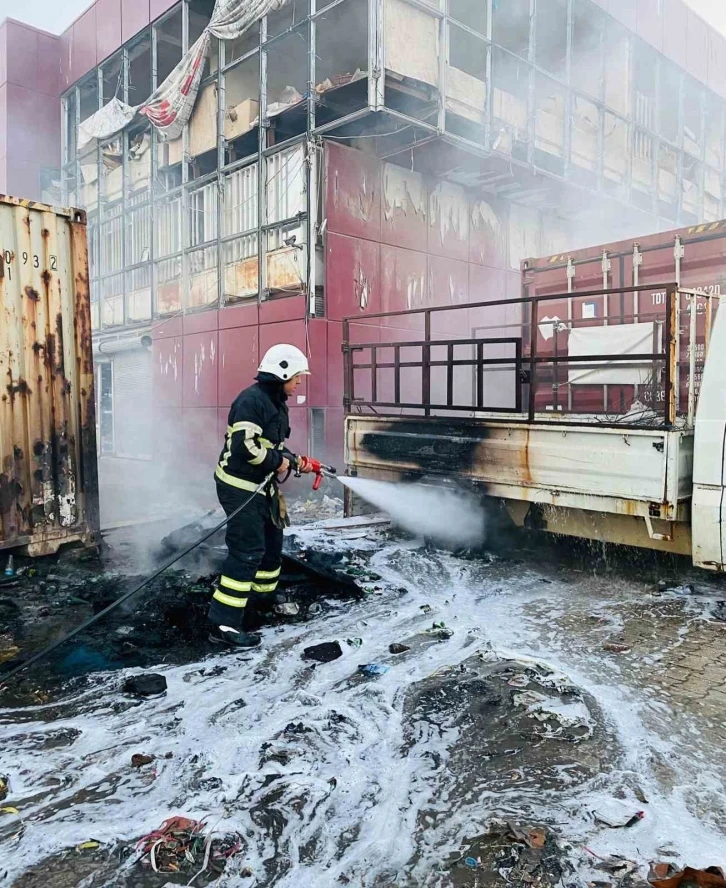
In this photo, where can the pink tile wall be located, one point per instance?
(33, 126)
(159, 7)
(83, 46)
(30, 58)
(675, 22)
(717, 63)
(697, 47)
(66, 58)
(650, 22)
(134, 18)
(3, 53)
(3, 120)
(108, 28)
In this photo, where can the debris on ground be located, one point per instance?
(4, 786)
(397, 648)
(181, 845)
(371, 669)
(616, 647)
(90, 845)
(719, 611)
(324, 653)
(12, 826)
(665, 875)
(617, 814)
(675, 588)
(354, 642)
(287, 609)
(440, 630)
(139, 759)
(150, 684)
(518, 854)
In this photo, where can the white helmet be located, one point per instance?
(284, 362)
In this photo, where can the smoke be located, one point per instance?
(450, 517)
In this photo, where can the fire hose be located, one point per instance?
(317, 468)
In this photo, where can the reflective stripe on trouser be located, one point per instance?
(252, 568)
(266, 580)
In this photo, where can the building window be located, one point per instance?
(104, 407)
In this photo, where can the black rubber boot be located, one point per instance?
(233, 638)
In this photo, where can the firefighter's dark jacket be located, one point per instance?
(257, 427)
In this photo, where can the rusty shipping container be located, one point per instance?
(694, 258)
(48, 469)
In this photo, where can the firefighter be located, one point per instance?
(254, 448)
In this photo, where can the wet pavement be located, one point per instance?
(571, 697)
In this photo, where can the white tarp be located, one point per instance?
(231, 18)
(171, 105)
(104, 123)
(617, 339)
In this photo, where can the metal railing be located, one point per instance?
(378, 370)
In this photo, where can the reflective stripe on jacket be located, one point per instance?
(257, 427)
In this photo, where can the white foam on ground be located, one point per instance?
(349, 800)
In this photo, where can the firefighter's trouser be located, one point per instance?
(252, 570)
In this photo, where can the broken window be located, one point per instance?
(168, 286)
(287, 83)
(292, 13)
(669, 101)
(112, 301)
(510, 92)
(550, 104)
(111, 240)
(692, 181)
(202, 133)
(200, 12)
(585, 134)
(138, 235)
(668, 179)
(645, 67)
(88, 165)
(412, 39)
(112, 170)
(466, 89)
(240, 205)
(341, 66)
(168, 44)
(588, 59)
(616, 151)
(168, 226)
(88, 97)
(203, 278)
(467, 53)
(248, 42)
(714, 131)
(643, 155)
(70, 106)
(472, 13)
(617, 68)
(113, 78)
(242, 111)
(692, 117)
(202, 203)
(140, 69)
(286, 207)
(551, 37)
(510, 26)
(138, 163)
(138, 295)
(241, 270)
(712, 195)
